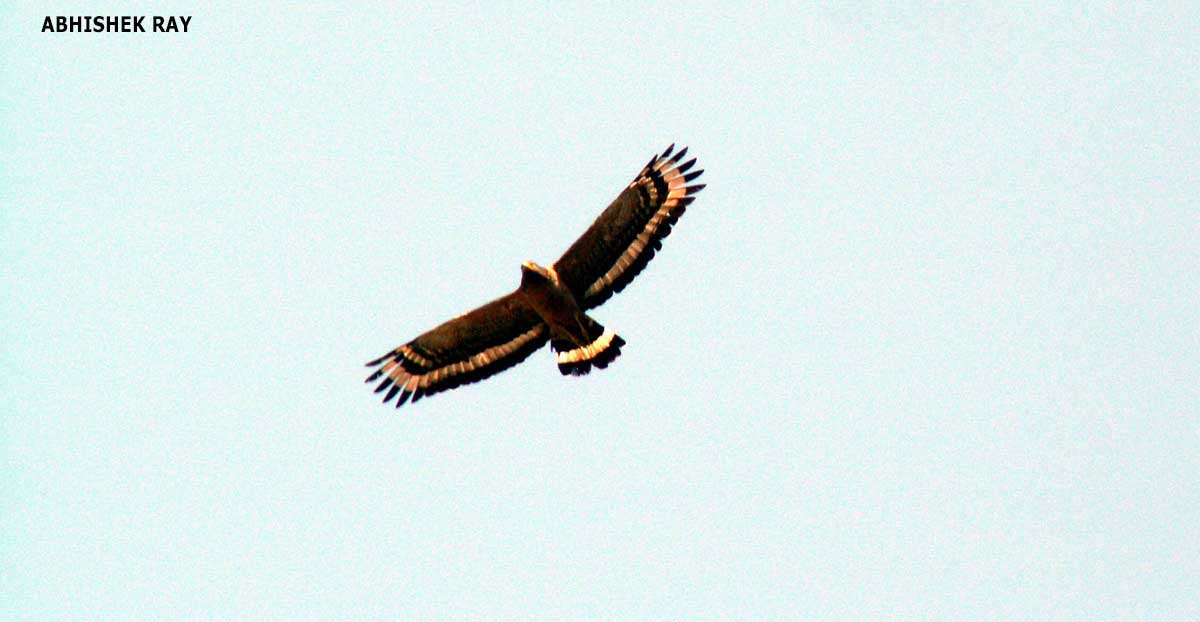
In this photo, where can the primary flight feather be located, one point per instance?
(550, 303)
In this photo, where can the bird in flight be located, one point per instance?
(551, 302)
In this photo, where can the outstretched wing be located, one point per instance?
(466, 349)
(626, 235)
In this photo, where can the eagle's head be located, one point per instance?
(530, 270)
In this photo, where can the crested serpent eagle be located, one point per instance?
(550, 303)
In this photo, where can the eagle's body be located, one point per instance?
(579, 340)
(550, 303)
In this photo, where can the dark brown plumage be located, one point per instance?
(550, 303)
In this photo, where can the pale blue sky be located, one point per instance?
(926, 347)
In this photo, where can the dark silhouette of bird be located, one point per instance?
(551, 303)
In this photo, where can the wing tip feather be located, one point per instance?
(392, 393)
(381, 359)
(404, 395)
(383, 385)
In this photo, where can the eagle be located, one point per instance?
(551, 303)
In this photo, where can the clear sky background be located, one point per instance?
(926, 346)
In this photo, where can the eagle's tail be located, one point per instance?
(603, 346)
